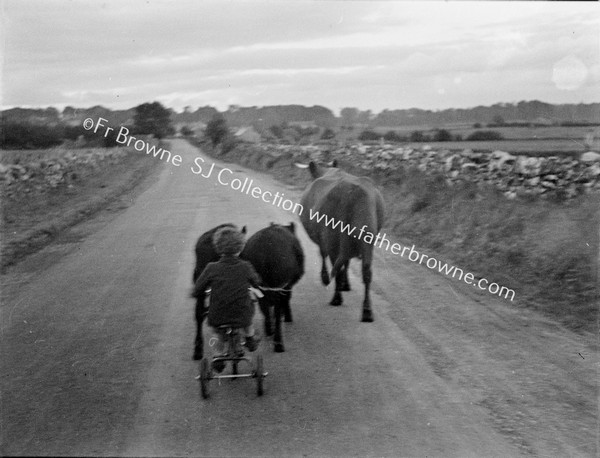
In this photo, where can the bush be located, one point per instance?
(29, 136)
(216, 130)
(277, 131)
(328, 134)
(186, 131)
(392, 136)
(442, 135)
(418, 136)
(369, 135)
(228, 143)
(485, 135)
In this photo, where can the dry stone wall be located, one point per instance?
(60, 167)
(514, 175)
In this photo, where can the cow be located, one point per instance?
(205, 253)
(353, 201)
(278, 258)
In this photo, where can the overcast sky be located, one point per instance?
(369, 55)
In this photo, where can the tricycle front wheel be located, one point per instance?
(204, 377)
(260, 375)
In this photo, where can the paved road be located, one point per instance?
(97, 332)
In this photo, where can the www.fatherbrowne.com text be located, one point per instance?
(381, 241)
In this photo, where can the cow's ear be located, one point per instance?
(314, 169)
(334, 163)
(243, 231)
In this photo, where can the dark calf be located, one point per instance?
(278, 258)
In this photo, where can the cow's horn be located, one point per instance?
(301, 166)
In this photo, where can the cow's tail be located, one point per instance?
(343, 256)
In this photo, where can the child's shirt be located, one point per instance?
(229, 280)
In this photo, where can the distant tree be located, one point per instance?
(349, 116)
(276, 130)
(153, 119)
(365, 117)
(477, 125)
(498, 120)
(69, 111)
(186, 131)
(442, 135)
(216, 130)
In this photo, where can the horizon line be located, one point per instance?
(45, 107)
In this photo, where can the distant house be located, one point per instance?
(303, 124)
(542, 121)
(247, 134)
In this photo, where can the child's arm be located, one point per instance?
(202, 282)
(253, 278)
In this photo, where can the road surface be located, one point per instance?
(97, 333)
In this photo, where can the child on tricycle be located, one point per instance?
(229, 280)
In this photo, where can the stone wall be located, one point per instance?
(514, 175)
(60, 167)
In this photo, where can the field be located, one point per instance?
(509, 132)
(550, 140)
(541, 147)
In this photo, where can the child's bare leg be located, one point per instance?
(249, 331)
(219, 349)
(219, 343)
(251, 338)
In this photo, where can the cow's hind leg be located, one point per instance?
(277, 339)
(324, 271)
(345, 282)
(287, 310)
(367, 313)
(199, 342)
(339, 287)
(266, 311)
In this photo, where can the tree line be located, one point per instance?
(43, 128)
(31, 132)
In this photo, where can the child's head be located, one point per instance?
(228, 240)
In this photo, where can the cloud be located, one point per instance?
(367, 54)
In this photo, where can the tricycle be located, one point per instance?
(233, 354)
